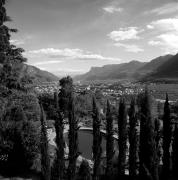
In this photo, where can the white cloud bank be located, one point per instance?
(130, 47)
(167, 34)
(125, 34)
(67, 53)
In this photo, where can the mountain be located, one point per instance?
(168, 70)
(38, 75)
(114, 71)
(154, 64)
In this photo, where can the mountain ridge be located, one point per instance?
(133, 70)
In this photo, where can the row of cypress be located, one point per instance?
(143, 144)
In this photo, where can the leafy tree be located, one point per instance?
(59, 162)
(133, 140)
(45, 159)
(18, 141)
(73, 140)
(148, 153)
(122, 131)
(97, 139)
(65, 93)
(11, 57)
(109, 141)
(167, 134)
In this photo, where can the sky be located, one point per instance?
(71, 36)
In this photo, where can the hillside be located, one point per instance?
(167, 71)
(114, 71)
(154, 64)
(39, 75)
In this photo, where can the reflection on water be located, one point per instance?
(86, 143)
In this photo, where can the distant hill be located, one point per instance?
(168, 70)
(154, 64)
(114, 71)
(38, 75)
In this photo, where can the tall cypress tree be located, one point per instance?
(148, 153)
(45, 159)
(97, 139)
(59, 162)
(166, 138)
(133, 140)
(73, 140)
(109, 141)
(122, 131)
(175, 152)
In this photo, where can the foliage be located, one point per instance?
(109, 141)
(175, 152)
(84, 171)
(167, 135)
(133, 140)
(11, 57)
(66, 84)
(59, 162)
(97, 139)
(122, 129)
(45, 159)
(18, 141)
(148, 153)
(73, 140)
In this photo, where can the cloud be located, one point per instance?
(77, 54)
(154, 43)
(17, 42)
(125, 34)
(46, 63)
(150, 26)
(166, 34)
(112, 9)
(130, 47)
(165, 9)
(169, 24)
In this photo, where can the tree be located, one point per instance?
(65, 93)
(45, 159)
(18, 141)
(97, 139)
(133, 140)
(122, 132)
(148, 153)
(84, 171)
(59, 161)
(166, 138)
(73, 140)
(175, 152)
(109, 141)
(11, 57)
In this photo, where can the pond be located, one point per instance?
(86, 142)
